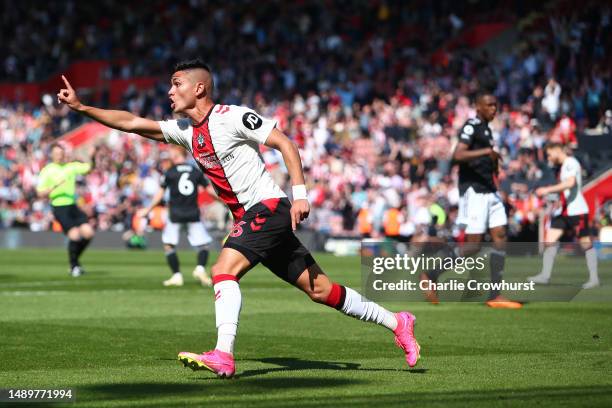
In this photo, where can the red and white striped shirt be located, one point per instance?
(225, 144)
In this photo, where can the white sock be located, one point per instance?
(548, 260)
(228, 301)
(361, 308)
(591, 260)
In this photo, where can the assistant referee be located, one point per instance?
(57, 180)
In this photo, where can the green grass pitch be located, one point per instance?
(113, 335)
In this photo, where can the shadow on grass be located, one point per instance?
(214, 387)
(95, 272)
(286, 364)
(249, 391)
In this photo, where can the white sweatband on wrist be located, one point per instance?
(299, 192)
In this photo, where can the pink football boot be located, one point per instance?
(404, 337)
(217, 361)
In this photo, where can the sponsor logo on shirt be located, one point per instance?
(251, 121)
(210, 161)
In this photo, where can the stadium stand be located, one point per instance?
(372, 92)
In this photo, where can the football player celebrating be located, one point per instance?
(572, 214)
(224, 140)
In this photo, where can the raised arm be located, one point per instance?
(116, 119)
(300, 207)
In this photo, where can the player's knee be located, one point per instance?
(168, 249)
(586, 243)
(498, 234)
(86, 231)
(74, 234)
(553, 236)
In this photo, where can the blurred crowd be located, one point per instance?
(352, 83)
(255, 45)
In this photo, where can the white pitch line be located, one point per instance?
(72, 292)
(34, 292)
(49, 283)
(173, 292)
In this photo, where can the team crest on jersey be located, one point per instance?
(200, 140)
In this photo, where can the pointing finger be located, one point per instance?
(67, 83)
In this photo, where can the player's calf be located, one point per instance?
(590, 255)
(173, 262)
(348, 301)
(320, 292)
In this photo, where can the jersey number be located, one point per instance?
(185, 186)
(237, 229)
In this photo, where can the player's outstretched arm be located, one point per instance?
(300, 207)
(116, 119)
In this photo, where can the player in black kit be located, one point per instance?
(480, 206)
(182, 181)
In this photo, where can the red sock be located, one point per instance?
(336, 296)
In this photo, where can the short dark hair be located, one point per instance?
(482, 94)
(56, 144)
(192, 64)
(196, 63)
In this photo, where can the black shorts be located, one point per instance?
(577, 223)
(69, 216)
(264, 235)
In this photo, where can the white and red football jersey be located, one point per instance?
(572, 200)
(225, 144)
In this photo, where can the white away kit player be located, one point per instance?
(571, 215)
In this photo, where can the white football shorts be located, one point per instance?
(196, 233)
(480, 211)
